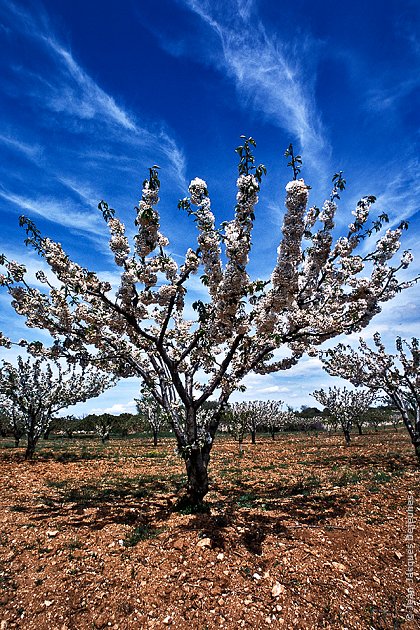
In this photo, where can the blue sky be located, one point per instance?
(91, 94)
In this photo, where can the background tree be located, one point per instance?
(68, 424)
(155, 416)
(274, 417)
(37, 391)
(397, 375)
(102, 424)
(4, 421)
(236, 418)
(317, 290)
(347, 406)
(12, 420)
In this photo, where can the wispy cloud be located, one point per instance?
(87, 123)
(268, 75)
(89, 100)
(63, 213)
(28, 150)
(383, 99)
(400, 198)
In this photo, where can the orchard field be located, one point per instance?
(302, 533)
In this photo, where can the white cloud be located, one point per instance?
(31, 151)
(269, 76)
(61, 212)
(84, 109)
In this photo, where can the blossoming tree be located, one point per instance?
(12, 418)
(36, 392)
(345, 405)
(236, 421)
(249, 416)
(318, 289)
(397, 375)
(153, 412)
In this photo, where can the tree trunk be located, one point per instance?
(253, 436)
(105, 438)
(17, 440)
(241, 450)
(198, 480)
(347, 436)
(417, 449)
(47, 433)
(359, 427)
(412, 428)
(272, 433)
(30, 449)
(155, 437)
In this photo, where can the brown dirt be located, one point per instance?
(303, 533)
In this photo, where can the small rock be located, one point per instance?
(178, 544)
(220, 556)
(339, 566)
(398, 555)
(52, 533)
(277, 589)
(204, 542)
(167, 620)
(257, 576)
(101, 621)
(48, 603)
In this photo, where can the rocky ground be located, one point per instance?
(302, 533)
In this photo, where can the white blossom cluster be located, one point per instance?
(208, 238)
(148, 221)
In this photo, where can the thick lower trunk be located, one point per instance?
(31, 446)
(347, 436)
(253, 433)
(413, 428)
(46, 435)
(155, 437)
(198, 480)
(105, 438)
(359, 428)
(17, 440)
(272, 434)
(417, 449)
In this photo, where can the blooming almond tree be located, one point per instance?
(14, 421)
(254, 412)
(317, 290)
(36, 391)
(259, 413)
(275, 417)
(397, 375)
(345, 405)
(153, 412)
